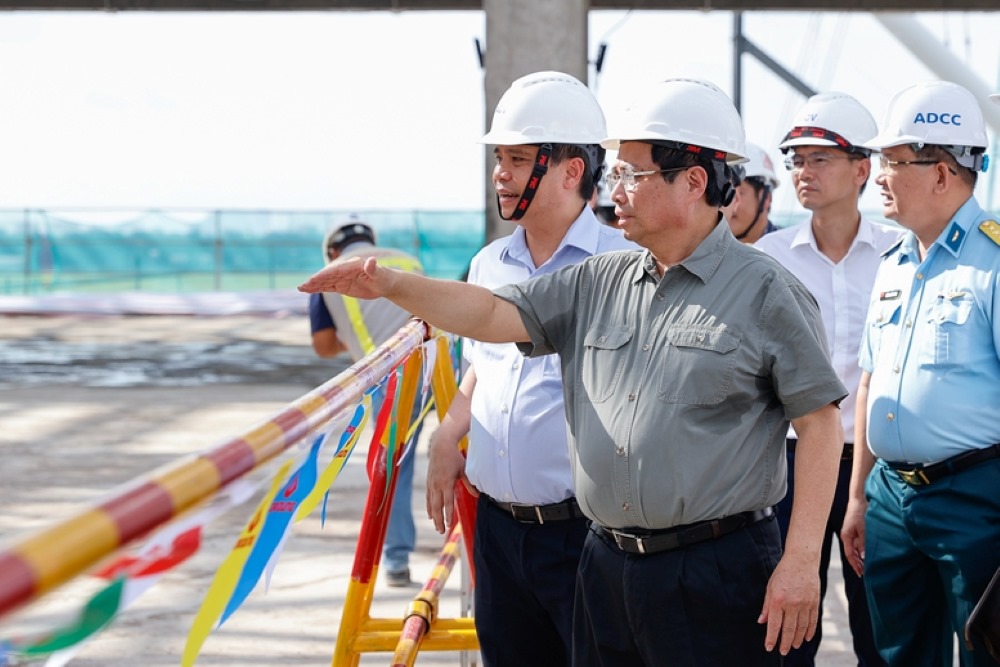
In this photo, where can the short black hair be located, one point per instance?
(592, 174)
(721, 177)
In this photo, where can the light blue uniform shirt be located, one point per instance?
(931, 344)
(518, 449)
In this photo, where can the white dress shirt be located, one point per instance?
(842, 290)
(518, 449)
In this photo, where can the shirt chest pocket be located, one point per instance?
(699, 366)
(948, 317)
(884, 322)
(604, 356)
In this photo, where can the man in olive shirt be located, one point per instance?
(682, 365)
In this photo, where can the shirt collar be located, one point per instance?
(953, 236)
(706, 258)
(805, 236)
(702, 262)
(582, 235)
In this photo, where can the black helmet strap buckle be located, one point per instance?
(541, 167)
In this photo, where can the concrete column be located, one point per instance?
(524, 36)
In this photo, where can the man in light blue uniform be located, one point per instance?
(529, 528)
(923, 521)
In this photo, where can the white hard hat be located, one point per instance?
(831, 119)
(547, 107)
(691, 113)
(759, 165)
(936, 113)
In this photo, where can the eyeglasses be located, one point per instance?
(815, 161)
(885, 164)
(626, 176)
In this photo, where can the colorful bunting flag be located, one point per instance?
(221, 588)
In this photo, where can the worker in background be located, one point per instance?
(748, 215)
(344, 324)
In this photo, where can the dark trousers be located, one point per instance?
(929, 553)
(696, 606)
(854, 588)
(525, 587)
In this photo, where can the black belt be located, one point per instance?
(567, 509)
(651, 542)
(846, 455)
(917, 475)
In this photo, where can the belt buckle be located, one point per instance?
(638, 541)
(514, 507)
(914, 477)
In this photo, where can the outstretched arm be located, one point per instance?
(458, 307)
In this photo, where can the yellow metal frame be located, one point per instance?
(422, 627)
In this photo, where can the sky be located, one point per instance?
(373, 110)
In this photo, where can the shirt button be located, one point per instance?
(504, 409)
(701, 338)
(920, 276)
(895, 369)
(645, 347)
(631, 397)
(659, 297)
(626, 507)
(500, 453)
(909, 324)
(620, 451)
(890, 416)
(602, 339)
(517, 365)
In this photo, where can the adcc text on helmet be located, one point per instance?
(936, 113)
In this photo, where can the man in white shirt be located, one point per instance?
(529, 529)
(836, 255)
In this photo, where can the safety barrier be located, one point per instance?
(56, 555)
(359, 633)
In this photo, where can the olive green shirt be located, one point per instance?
(679, 391)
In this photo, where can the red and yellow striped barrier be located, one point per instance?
(45, 560)
(422, 615)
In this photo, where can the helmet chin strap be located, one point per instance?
(760, 210)
(541, 167)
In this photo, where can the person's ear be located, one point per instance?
(575, 168)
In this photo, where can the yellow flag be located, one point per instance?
(228, 574)
(333, 469)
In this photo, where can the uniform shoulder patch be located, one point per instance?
(992, 230)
